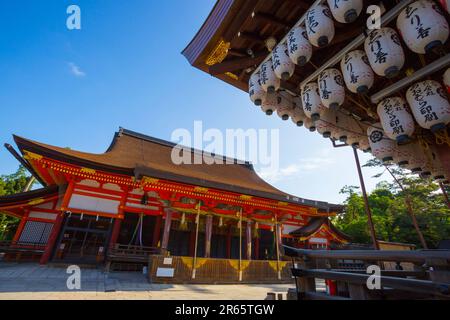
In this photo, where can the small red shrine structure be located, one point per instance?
(134, 195)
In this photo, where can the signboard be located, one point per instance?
(167, 261)
(165, 272)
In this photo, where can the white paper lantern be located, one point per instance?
(384, 51)
(382, 147)
(319, 26)
(342, 125)
(403, 155)
(284, 108)
(312, 104)
(331, 88)
(358, 74)
(326, 125)
(269, 81)
(418, 159)
(298, 115)
(282, 65)
(354, 132)
(270, 103)
(422, 26)
(446, 80)
(299, 47)
(345, 11)
(256, 92)
(437, 171)
(309, 124)
(429, 105)
(364, 144)
(397, 122)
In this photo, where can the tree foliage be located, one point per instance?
(390, 213)
(11, 184)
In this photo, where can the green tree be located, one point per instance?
(390, 213)
(11, 184)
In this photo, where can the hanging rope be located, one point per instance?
(138, 228)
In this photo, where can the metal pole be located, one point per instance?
(366, 201)
(410, 210)
(197, 221)
(444, 192)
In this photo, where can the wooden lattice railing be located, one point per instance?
(429, 276)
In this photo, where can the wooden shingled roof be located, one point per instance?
(138, 155)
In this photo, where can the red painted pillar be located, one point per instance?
(229, 242)
(19, 230)
(208, 234)
(166, 234)
(52, 238)
(157, 231)
(115, 232)
(248, 239)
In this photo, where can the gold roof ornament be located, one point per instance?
(88, 171)
(36, 201)
(201, 190)
(219, 53)
(149, 180)
(31, 156)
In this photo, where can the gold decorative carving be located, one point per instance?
(245, 197)
(232, 76)
(201, 190)
(88, 171)
(32, 156)
(149, 180)
(36, 201)
(218, 54)
(235, 264)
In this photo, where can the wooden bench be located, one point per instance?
(129, 254)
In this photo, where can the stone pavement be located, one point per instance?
(35, 282)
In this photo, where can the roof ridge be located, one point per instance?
(141, 136)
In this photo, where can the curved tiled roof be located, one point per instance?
(132, 153)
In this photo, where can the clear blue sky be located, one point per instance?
(125, 68)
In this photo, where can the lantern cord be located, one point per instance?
(442, 138)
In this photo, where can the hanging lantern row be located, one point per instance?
(422, 25)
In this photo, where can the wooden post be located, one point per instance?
(157, 232)
(115, 232)
(257, 244)
(366, 201)
(20, 228)
(52, 238)
(167, 226)
(197, 222)
(208, 234)
(248, 238)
